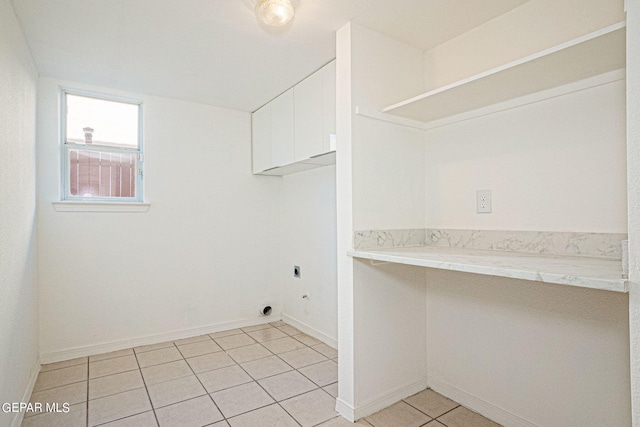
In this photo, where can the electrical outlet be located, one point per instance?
(296, 271)
(483, 201)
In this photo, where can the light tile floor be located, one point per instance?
(265, 375)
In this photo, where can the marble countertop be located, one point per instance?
(581, 271)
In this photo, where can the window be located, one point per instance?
(102, 148)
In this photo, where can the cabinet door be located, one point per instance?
(261, 139)
(308, 102)
(329, 105)
(282, 133)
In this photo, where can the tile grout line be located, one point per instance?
(116, 373)
(138, 370)
(249, 382)
(297, 349)
(240, 346)
(314, 364)
(288, 364)
(202, 385)
(268, 394)
(43, 412)
(58, 386)
(206, 337)
(134, 352)
(372, 424)
(434, 418)
(62, 367)
(110, 358)
(123, 418)
(450, 410)
(88, 384)
(305, 366)
(313, 382)
(120, 392)
(183, 358)
(225, 336)
(294, 369)
(186, 360)
(174, 379)
(260, 385)
(422, 412)
(146, 389)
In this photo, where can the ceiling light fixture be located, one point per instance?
(275, 13)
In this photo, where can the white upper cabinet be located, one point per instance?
(261, 139)
(296, 130)
(329, 106)
(282, 130)
(309, 122)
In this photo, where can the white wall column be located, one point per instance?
(633, 173)
(344, 206)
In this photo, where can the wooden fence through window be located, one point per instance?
(100, 174)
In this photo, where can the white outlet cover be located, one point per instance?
(483, 201)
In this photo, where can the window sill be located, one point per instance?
(133, 207)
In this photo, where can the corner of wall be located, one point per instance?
(19, 340)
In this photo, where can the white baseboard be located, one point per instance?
(90, 350)
(390, 398)
(480, 406)
(380, 402)
(331, 342)
(345, 410)
(26, 396)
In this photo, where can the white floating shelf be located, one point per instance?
(587, 56)
(584, 272)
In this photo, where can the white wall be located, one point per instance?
(524, 30)
(390, 339)
(388, 179)
(546, 162)
(200, 257)
(551, 355)
(556, 165)
(506, 347)
(19, 301)
(388, 165)
(308, 230)
(380, 185)
(633, 168)
(344, 226)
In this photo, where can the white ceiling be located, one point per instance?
(214, 51)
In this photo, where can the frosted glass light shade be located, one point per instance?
(275, 13)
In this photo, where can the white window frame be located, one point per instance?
(66, 195)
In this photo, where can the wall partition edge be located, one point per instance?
(633, 195)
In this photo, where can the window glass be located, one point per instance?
(100, 174)
(101, 149)
(101, 122)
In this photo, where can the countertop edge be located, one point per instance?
(615, 285)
